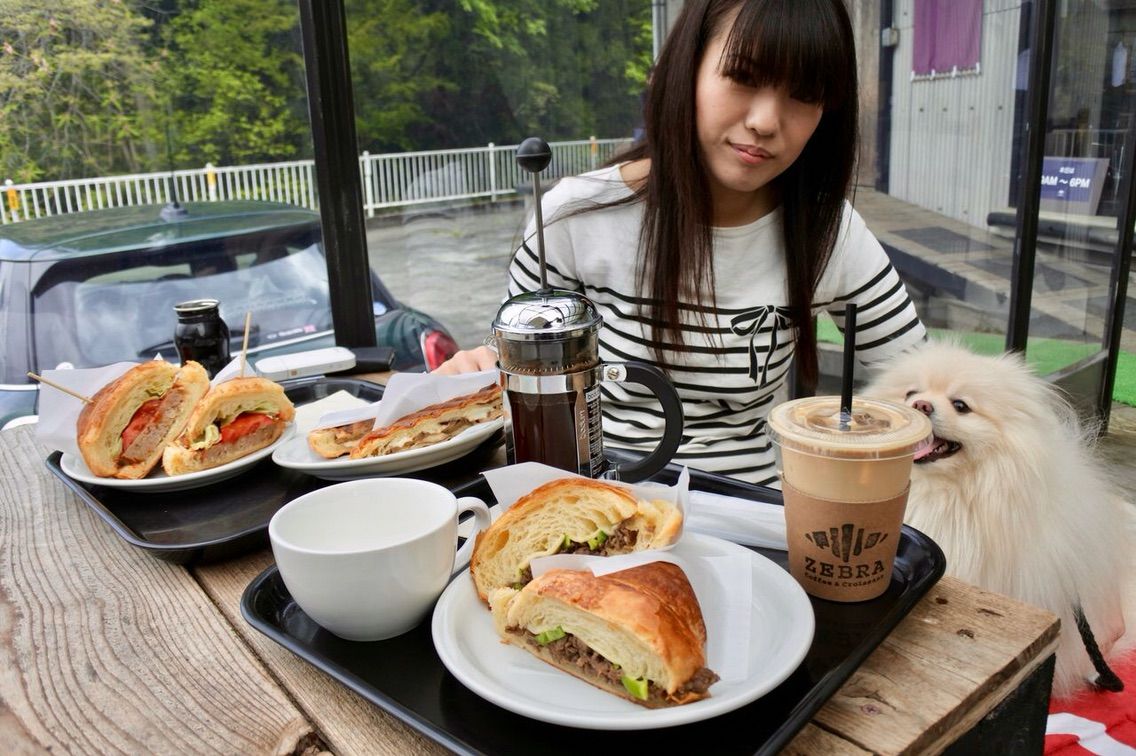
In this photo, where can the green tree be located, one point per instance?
(233, 78)
(76, 88)
(560, 68)
(393, 45)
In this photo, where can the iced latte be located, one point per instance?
(845, 479)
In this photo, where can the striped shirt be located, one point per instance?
(739, 357)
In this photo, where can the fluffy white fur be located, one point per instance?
(1021, 508)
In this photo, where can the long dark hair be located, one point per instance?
(805, 45)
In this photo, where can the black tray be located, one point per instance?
(404, 676)
(228, 518)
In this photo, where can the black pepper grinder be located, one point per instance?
(550, 371)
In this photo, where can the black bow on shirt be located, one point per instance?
(750, 323)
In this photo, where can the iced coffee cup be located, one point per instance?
(845, 480)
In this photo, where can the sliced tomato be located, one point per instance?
(244, 424)
(142, 417)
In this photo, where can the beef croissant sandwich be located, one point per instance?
(568, 516)
(637, 633)
(233, 420)
(430, 425)
(128, 423)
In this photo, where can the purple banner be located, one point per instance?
(948, 35)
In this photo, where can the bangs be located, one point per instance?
(798, 44)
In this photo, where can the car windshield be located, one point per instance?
(96, 310)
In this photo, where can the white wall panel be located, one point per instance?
(951, 136)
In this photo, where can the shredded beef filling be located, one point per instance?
(571, 650)
(621, 541)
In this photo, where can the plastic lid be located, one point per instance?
(549, 314)
(876, 430)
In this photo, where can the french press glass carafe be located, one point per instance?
(550, 371)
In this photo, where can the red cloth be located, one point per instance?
(1096, 723)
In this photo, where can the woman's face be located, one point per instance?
(747, 135)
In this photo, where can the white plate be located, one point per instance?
(297, 455)
(157, 480)
(781, 631)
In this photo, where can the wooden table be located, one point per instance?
(104, 649)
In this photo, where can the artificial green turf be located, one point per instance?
(1043, 355)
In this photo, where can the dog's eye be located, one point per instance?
(910, 394)
(960, 406)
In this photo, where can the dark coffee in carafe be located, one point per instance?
(533, 415)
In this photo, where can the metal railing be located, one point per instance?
(389, 180)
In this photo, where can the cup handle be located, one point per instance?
(481, 521)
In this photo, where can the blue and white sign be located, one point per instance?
(1072, 184)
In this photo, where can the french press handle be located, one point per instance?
(655, 380)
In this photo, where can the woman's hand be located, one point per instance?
(468, 361)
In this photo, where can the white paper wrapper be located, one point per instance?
(308, 415)
(410, 392)
(723, 584)
(231, 371)
(753, 523)
(59, 411)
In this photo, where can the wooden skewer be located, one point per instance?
(245, 343)
(56, 386)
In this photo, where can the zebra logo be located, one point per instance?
(846, 541)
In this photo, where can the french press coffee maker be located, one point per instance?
(550, 372)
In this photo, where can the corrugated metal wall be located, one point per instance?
(951, 137)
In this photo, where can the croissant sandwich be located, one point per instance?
(234, 419)
(127, 424)
(570, 515)
(637, 633)
(429, 425)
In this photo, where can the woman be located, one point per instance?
(709, 247)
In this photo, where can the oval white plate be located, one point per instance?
(157, 480)
(297, 455)
(781, 631)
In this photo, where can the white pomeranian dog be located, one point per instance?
(1011, 491)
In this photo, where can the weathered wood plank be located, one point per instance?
(953, 659)
(105, 649)
(349, 723)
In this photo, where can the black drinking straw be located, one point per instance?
(849, 365)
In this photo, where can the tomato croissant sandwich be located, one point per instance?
(234, 419)
(128, 423)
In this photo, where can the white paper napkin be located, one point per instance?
(308, 415)
(753, 523)
(410, 392)
(231, 371)
(59, 411)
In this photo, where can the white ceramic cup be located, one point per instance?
(368, 558)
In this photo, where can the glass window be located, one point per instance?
(444, 93)
(100, 309)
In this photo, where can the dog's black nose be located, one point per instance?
(923, 406)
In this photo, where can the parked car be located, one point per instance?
(98, 287)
